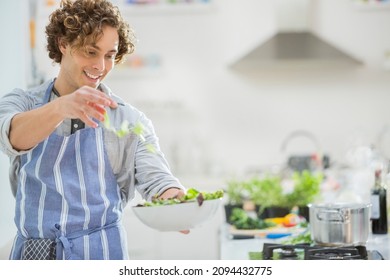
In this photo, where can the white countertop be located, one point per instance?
(381, 243)
(238, 249)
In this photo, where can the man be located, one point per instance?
(72, 175)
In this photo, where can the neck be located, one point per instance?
(59, 88)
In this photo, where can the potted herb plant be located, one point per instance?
(307, 188)
(236, 193)
(267, 194)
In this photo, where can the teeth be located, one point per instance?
(91, 76)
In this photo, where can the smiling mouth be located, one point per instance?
(89, 75)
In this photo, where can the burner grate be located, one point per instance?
(305, 251)
(337, 253)
(273, 251)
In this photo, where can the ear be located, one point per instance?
(61, 45)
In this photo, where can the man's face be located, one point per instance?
(90, 66)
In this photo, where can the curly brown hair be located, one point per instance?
(79, 23)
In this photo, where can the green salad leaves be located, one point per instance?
(190, 196)
(125, 128)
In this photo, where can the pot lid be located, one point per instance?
(340, 205)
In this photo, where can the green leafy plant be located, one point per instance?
(267, 191)
(304, 237)
(306, 188)
(236, 192)
(241, 220)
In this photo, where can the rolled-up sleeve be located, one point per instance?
(10, 105)
(5, 123)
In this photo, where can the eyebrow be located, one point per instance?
(97, 47)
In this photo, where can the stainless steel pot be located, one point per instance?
(340, 223)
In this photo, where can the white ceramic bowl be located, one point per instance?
(177, 217)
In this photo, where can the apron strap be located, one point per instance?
(63, 244)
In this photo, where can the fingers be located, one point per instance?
(95, 110)
(91, 121)
(172, 193)
(93, 96)
(113, 104)
(185, 231)
(88, 104)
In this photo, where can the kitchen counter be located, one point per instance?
(238, 249)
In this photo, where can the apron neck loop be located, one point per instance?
(49, 89)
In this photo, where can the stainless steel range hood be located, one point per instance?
(294, 45)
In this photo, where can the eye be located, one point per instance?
(111, 55)
(89, 52)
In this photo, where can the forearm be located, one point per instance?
(30, 128)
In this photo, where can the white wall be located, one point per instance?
(355, 28)
(13, 73)
(230, 122)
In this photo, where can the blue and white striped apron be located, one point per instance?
(68, 192)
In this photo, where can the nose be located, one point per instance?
(99, 64)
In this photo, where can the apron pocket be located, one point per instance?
(39, 249)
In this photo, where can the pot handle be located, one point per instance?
(331, 216)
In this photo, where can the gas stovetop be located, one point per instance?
(273, 251)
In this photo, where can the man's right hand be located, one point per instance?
(86, 104)
(32, 127)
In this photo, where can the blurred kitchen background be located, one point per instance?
(234, 87)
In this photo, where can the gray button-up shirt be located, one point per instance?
(134, 165)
